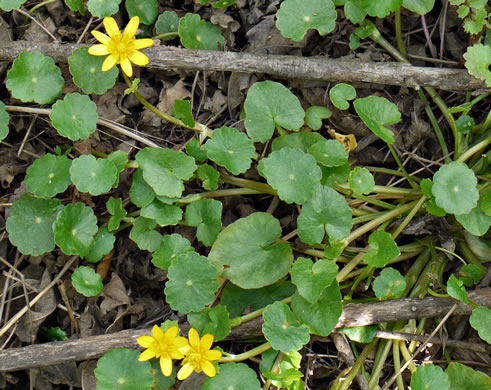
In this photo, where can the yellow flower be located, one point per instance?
(166, 346)
(122, 48)
(199, 357)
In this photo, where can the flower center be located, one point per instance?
(194, 359)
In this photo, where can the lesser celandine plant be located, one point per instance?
(297, 287)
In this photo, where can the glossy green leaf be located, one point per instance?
(146, 10)
(87, 72)
(182, 110)
(314, 116)
(384, 249)
(30, 224)
(206, 215)
(293, 173)
(48, 175)
(269, 104)
(302, 140)
(377, 112)
(360, 334)
(161, 382)
(194, 149)
(430, 204)
(233, 376)
(463, 377)
(475, 222)
(281, 329)
(141, 194)
(35, 77)
(231, 149)
(246, 252)
(323, 315)
(223, 3)
(115, 208)
(329, 153)
(296, 17)
(381, 8)
(480, 320)
(9, 5)
(95, 176)
(163, 214)
(361, 180)
(454, 188)
(57, 334)
(192, 283)
(171, 247)
(465, 124)
(312, 278)
(477, 62)
(214, 321)
(101, 9)
(102, 245)
(144, 234)
(420, 7)
(165, 169)
(287, 374)
(335, 175)
(119, 159)
(429, 377)
(471, 274)
(74, 228)
(390, 284)
(4, 122)
(327, 212)
(340, 94)
(456, 289)
(76, 6)
(167, 22)
(87, 282)
(209, 176)
(486, 203)
(196, 33)
(356, 14)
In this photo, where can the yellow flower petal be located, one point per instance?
(206, 341)
(213, 354)
(208, 368)
(109, 62)
(173, 331)
(111, 27)
(158, 333)
(138, 58)
(193, 337)
(166, 365)
(132, 27)
(146, 355)
(98, 50)
(185, 371)
(126, 66)
(145, 341)
(143, 43)
(101, 37)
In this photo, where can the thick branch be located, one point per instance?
(288, 67)
(353, 315)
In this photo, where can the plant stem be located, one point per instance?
(408, 218)
(400, 42)
(475, 149)
(171, 35)
(385, 190)
(246, 355)
(218, 194)
(403, 169)
(41, 4)
(356, 367)
(255, 185)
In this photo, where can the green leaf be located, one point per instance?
(101, 9)
(390, 284)
(323, 315)
(465, 124)
(206, 215)
(76, 6)
(463, 377)
(360, 334)
(182, 110)
(293, 173)
(281, 329)
(246, 252)
(329, 153)
(430, 205)
(35, 77)
(75, 117)
(340, 94)
(74, 228)
(429, 377)
(30, 224)
(223, 3)
(95, 176)
(486, 203)
(333, 249)
(119, 159)
(87, 282)
(144, 235)
(420, 7)
(302, 140)
(141, 194)
(480, 320)
(9, 5)
(163, 214)
(475, 222)
(165, 169)
(327, 212)
(167, 22)
(471, 274)
(454, 188)
(192, 283)
(161, 382)
(231, 149)
(233, 376)
(199, 34)
(146, 10)
(377, 112)
(119, 369)
(477, 62)
(361, 180)
(171, 247)
(456, 289)
(287, 374)
(269, 104)
(102, 245)
(381, 8)
(314, 116)
(209, 176)
(335, 175)
(312, 278)
(194, 149)
(4, 122)
(87, 72)
(48, 175)
(356, 14)
(214, 321)
(295, 17)
(57, 334)
(384, 249)
(238, 300)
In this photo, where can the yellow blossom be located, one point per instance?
(166, 346)
(199, 357)
(120, 48)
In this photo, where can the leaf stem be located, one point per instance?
(403, 169)
(348, 379)
(409, 217)
(475, 149)
(218, 194)
(246, 355)
(170, 35)
(398, 26)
